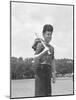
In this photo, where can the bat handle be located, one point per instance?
(49, 52)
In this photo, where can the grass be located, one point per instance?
(26, 87)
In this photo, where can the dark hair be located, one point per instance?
(47, 27)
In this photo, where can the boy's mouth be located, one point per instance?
(48, 40)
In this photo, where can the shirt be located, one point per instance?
(45, 58)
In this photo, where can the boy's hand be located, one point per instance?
(54, 78)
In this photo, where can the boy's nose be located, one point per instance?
(49, 36)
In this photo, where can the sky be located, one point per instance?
(28, 18)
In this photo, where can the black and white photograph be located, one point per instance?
(41, 49)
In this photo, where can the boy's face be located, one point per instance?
(47, 36)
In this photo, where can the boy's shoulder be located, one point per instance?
(51, 48)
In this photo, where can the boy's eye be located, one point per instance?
(48, 34)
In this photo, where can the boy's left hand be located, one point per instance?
(54, 78)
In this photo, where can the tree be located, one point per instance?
(64, 66)
(13, 64)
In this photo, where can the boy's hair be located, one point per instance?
(47, 27)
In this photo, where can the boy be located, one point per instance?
(45, 63)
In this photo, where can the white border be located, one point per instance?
(5, 49)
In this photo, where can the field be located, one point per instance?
(26, 87)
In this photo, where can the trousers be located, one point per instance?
(43, 80)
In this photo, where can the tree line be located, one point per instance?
(22, 69)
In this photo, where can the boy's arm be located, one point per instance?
(40, 51)
(38, 48)
(53, 66)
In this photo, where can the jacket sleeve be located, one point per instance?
(39, 48)
(34, 46)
